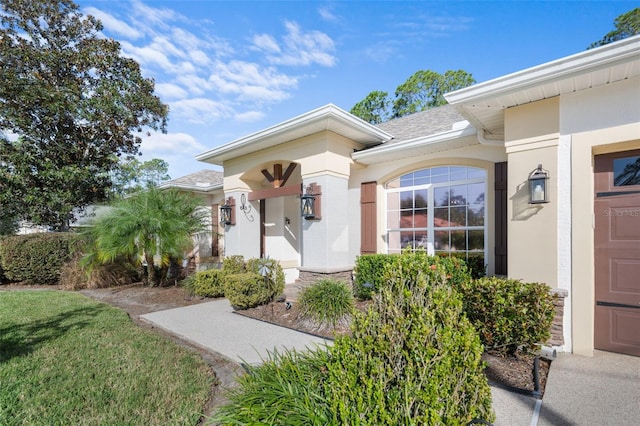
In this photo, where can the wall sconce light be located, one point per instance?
(538, 186)
(310, 203)
(227, 212)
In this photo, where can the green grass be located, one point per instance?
(65, 359)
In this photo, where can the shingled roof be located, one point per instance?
(204, 180)
(423, 123)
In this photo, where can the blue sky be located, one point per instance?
(230, 68)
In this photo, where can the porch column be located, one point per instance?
(325, 242)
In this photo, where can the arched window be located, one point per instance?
(441, 209)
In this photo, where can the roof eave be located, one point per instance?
(549, 72)
(192, 188)
(328, 117)
(434, 142)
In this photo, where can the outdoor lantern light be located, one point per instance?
(226, 213)
(310, 202)
(538, 186)
(307, 202)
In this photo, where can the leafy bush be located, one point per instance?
(370, 269)
(74, 276)
(326, 302)
(473, 263)
(286, 389)
(208, 283)
(413, 358)
(368, 274)
(271, 270)
(233, 264)
(37, 258)
(508, 313)
(247, 290)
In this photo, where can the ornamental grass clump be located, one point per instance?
(286, 389)
(327, 302)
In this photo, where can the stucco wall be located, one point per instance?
(597, 121)
(531, 138)
(323, 158)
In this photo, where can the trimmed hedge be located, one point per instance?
(208, 283)
(509, 314)
(370, 270)
(38, 258)
(474, 263)
(247, 290)
(368, 274)
(234, 264)
(271, 270)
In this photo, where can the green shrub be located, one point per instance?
(370, 269)
(326, 302)
(508, 313)
(286, 389)
(271, 270)
(368, 274)
(247, 290)
(208, 283)
(473, 264)
(37, 258)
(413, 358)
(233, 264)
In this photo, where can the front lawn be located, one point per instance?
(65, 359)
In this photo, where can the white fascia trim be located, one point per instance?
(381, 152)
(326, 112)
(192, 188)
(569, 66)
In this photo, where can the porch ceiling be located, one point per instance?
(484, 104)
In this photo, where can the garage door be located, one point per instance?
(617, 252)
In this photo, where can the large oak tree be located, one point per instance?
(70, 106)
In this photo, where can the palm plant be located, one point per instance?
(153, 226)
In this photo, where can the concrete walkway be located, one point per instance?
(603, 390)
(214, 326)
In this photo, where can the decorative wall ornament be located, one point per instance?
(246, 208)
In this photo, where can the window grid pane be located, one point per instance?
(458, 211)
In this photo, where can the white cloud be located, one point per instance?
(171, 91)
(326, 14)
(266, 42)
(249, 116)
(113, 24)
(300, 48)
(146, 55)
(200, 110)
(195, 84)
(251, 81)
(154, 15)
(170, 143)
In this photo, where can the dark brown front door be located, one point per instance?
(617, 252)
